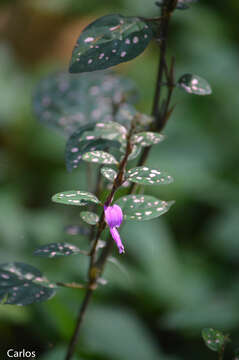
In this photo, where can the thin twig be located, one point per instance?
(74, 339)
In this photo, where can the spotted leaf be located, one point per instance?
(181, 4)
(214, 339)
(74, 197)
(22, 284)
(57, 249)
(142, 207)
(99, 157)
(108, 173)
(109, 41)
(89, 217)
(76, 230)
(76, 148)
(184, 4)
(194, 84)
(147, 176)
(147, 138)
(109, 130)
(66, 102)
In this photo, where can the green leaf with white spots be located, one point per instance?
(23, 284)
(57, 249)
(89, 217)
(181, 4)
(147, 138)
(214, 339)
(142, 207)
(66, 102)
(76, 148)
(99, 157)
(148, 176)
(135, 152)
(76, 230)
(184, 4)
(194, 84)
(75, 197)
(109, 130)
(108, 173)
(109, 41)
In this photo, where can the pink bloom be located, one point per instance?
(114, 218)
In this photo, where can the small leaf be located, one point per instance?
(108, 41)
(214, 339)
(110, 130)
(147, 138)
(194, 84)
(57, 249)
(22, 284)
(67, 102)
(181, 4)
(184, 4)
(75, 197)
(75, 149)
(89, 217)
(147, 176)
(108, 173)
(135, 152)
(76, 230)
(142, 207)
(99, 157)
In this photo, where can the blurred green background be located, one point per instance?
(180, 272)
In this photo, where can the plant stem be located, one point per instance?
(74, 339)
(96, 266)
(161, 115)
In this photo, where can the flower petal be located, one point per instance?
(117, 239)
(113, 215)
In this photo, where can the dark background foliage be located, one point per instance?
(180, 272)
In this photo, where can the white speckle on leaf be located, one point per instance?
(114, 27)
(90, 61)
(74, 149)
(123, 54)
(135, 40)
(89, 39)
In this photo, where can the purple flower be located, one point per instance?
(114, 218)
